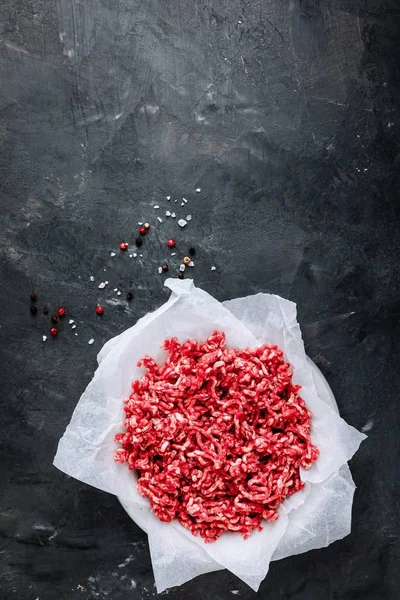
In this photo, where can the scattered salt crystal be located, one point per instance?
(119, 293)
(71, 321)
(184, 199)
(73, 327)
(130, 256)
(235, 592)
(167, 213)
(173, 215)
(176, 200)
(106, 282)
(90, 342)
(140, 223)
(213, 268)
(101, 285)
(141, 255)
(159, 219)
(91, 278)
(191, 264)
(112, 254)
(182, 222)
(168, 197)
(76, 334)
(115, 289)
(182, 204)
(134, 254)
(189, 218)
(198, 190)
(160, 270)
(156, 206)
(173, 254)
(182, 267)
(44, 337)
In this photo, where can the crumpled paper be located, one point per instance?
(312, 518)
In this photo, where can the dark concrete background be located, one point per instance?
(286, 114)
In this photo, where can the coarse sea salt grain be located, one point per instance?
(73, 327)
(198, 190)
(182, 267)
(156, 207)
(167, 213)
(182, 222)
(173, 215)
(159, 219)
(130, 256)
(91, 278)
(119, 293)
(106, 282)
(134, 254)
(160, 270)
(101, 285)
(90, 342)
(191, 264)
(115, 289)
(189, 218)
(168, 197)
(213, 268)
(173, 254)
(184, 199)
(140, 223)
(112, 254)
(182, 204)
(71, 321)
(44, 337)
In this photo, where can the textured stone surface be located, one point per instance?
(285, 114)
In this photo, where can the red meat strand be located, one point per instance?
(216, 435)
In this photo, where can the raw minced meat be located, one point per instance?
(216, 435)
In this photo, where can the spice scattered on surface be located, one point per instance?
(99, 309)
(168, 197)
(191, 264)
(159, 219)
(73, 327)
(186, 260)
(189, 218)
(45, 310)
(115, 289)
(53, 331)
(171, 243)
(184, 199)
(123, 246)
(182, 204)
(156, 207)
(173, 215)
(130, 256)
(55, 318)
(71, 321)
(138, 242)
(44, 337)
(173, 253)
(112, 254)
(182, 223)
(160, 270)
(143, 230)
(164, 267)
(33, 297)
(61, 311)
(167, 213)
(192, 251)
(101, 285)
(119, 293)
(217, 435)
(198, 190)
(134, 254)
(90, 342)
(180, 276)
(213, 268)
(91, 278)
(182, 267)
(33, 309)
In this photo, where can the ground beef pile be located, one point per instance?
(217, 435)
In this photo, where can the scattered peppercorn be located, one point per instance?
(180, 275)
(164, 267)
(53, 331)
(143, 230)
(186, 260)
(99, 309)
(33, 309)
(123, 246)
(138, 242)
(54, 318)
(171, 243)
(61, 311)
(192, 251)
(45, 310)
(129, 296)
(33, 297)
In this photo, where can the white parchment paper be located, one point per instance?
(313, 518)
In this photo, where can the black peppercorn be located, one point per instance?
(45, 310)
(164, 267)
(55, 319)
(33, 309)
(138, 242)
(192, 251)
(33, 297)
(129, 296)
(180, 275)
